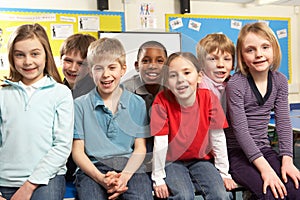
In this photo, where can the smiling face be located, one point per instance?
(73, 67)
(218, 65)
(29, 58)
(257, 53)
(183, 80)
(107, 77)
(150, 63)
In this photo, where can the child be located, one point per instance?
(182, 118)
(216, 53)
(252, 92)
(36, 117)
(77, 76)
(74, 66)
(151, 57)
(110, 129)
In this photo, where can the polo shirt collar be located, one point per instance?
(123, 102)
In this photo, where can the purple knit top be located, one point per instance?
(249, 114)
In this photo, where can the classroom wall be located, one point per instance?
(161, 7)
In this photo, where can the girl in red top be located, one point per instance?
(183, 120)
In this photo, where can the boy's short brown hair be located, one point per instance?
(213, 42)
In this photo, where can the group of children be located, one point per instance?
(166, 129)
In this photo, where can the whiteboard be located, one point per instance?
(133, 40)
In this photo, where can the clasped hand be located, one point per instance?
(115, 184)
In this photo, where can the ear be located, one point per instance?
(136, 66)
(123, 69)
(200, 76)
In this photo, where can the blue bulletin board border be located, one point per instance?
(206, 24)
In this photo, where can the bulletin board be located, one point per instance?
(59, 24)
(195, 27)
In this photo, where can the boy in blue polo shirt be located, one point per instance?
(110, 130)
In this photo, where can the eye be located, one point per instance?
(35, 54)
(80, 64)
(249, 50)
(187, 73)
(210, 58)
(19, 55)
(66, 60)
(145, 61)
(98, 68)
(228, 58)
(266, 47)
(172, 75)
(112, 67)
(160, 61)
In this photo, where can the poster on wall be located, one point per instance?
(147, 16)
(195, 27)
(59, 24)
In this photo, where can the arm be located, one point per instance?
(84, 163)
(289, 169)
(136, 159)
(56, 157)
(235, 93)
(218, 141)
(284, 131)
(158, 166)
(134, 162)
(270, 178)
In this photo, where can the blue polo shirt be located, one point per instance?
(106, 135)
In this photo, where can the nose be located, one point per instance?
(220, 63)
(180, 78)
(153, 64)
(105, 72)
(27, 60)
(258, 53)
(74, 66)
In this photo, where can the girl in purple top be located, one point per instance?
(252, 92)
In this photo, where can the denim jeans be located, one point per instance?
(139, 186)
(184, 178)
(55, 190)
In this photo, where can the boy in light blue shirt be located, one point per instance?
(110, 130)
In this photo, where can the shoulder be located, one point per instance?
(204, 94)
(278, 76)
(237, 80)
(280, 81)
(131, 97)
(237, 76)
(61, 91)
(85, 97)
(132, 83)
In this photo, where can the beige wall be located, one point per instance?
(131, 10)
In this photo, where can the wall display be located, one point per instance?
(59, 24)
(133, 40)
(195, 27)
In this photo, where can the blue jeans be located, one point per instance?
(55, 190)
(184, 178)
(139, 186)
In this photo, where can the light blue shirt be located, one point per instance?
(106, 135)
(35, 132)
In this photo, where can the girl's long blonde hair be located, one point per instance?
(30, 31)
